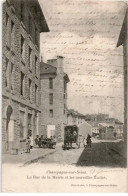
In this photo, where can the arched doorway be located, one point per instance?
(9, 127)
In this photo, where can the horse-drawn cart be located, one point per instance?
(70, 137)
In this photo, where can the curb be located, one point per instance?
(38, 158)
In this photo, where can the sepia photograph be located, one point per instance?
(64, 95)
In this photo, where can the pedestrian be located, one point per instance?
(31, 142)
(37, 139)
(89, 141)
(28, 141)
(84, 142)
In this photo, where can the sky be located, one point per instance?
(85, 33)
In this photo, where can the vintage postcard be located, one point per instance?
(64, 96)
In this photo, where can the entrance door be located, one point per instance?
(50, 130)
(9, 127)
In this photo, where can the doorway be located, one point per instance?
(9, 127)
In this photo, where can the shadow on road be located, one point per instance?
(104, 154)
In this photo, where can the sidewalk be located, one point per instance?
(117, 146)
(27, 158)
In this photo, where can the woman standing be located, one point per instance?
(28, 141)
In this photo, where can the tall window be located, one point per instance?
(7, 73)
(30, 56)
(12, 26)
(36, 64)
(22, 84)
(51, 113)
(12, 76)
(30, 84)
(50, 98)
(7, 29)
(51, 83)
(30, 24)
(36, 88)
(12, 34)
(64, 108)
(36, 37)
(22, 125)
(22, 46)
(22, 11)
(7, 19)
(29, 124)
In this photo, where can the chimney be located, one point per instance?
(59, 64)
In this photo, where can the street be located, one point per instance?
(101, 154)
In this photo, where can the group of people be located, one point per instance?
(38, 141)
(44, 141)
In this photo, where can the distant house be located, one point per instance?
(118, 127)
(84, 129)
(106, 131)
(74, 117)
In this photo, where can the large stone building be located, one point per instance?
(23, 21)
(123, 40)
(53, 98)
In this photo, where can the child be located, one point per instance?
(28, 141)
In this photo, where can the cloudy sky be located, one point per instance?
(85, 33)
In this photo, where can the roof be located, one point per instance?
(35, 9)
(47, 69)
(115, 120)
(93, 123)
(105, 125)
(39, 16)
(74, 113)
(123, 30)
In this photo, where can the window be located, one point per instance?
(7, 30)
(30, 53)
(22, 125)
(36, 64)
(22, 84)
(30, 83)
(7, 73)
(30, 24)
(64, 108)
(36, 91)
(51, 113)
(51, 83)
(29, 124)
(12, 26)
(36, 37)
(22, 11)
(12, 76)
(7, 19)
(22, 45)
(51, 99)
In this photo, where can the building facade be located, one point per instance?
(123, 40)
(53, 98)
(23, 21)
